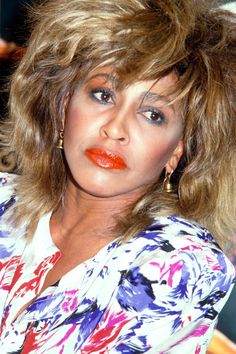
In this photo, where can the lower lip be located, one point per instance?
(108, 161)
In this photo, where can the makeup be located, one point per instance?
(105, 159)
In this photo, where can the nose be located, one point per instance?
(116, 128)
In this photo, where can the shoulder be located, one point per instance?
(7, 181)
(175, 228)
(180, 260)
(176, 277)
(180, 251)
(177, 235)
(173, 234)
(11, 240)
(7, 192)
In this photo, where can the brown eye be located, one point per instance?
(103, 96)
(154, 116)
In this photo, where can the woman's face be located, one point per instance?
(117, 142)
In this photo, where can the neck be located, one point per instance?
(82, 211)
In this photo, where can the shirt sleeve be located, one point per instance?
(168, 304)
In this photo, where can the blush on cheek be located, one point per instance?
(158, 160)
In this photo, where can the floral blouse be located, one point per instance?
(159, 292)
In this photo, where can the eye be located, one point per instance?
(154, 116)
(102, 95)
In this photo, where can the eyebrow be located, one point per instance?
(154, 97)
(108, 77)
(146, 95)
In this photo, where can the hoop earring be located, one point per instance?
(60, 140)
(167, 185)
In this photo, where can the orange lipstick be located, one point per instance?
(105, 159)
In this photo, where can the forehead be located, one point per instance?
(162, 90)
(165, 85)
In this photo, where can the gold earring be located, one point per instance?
(167, 185)
(60, 140)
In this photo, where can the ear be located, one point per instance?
(174, 160)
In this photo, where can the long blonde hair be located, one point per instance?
(141, 39)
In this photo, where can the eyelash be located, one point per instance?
(104, 91)
(161, 119)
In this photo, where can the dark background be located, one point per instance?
(14, 29)
(13, 26)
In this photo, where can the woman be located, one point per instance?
(124, 134)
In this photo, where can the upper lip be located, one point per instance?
(107, 154)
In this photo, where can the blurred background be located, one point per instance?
(14, 32)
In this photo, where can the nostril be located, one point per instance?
(114, 133)
(122, 139)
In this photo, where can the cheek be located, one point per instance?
(161, 151)
(72, 119)
(75, 125)
(72, 132)
(80, 117)
(157, 158)
(157, 155)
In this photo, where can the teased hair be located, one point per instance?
(141, 39)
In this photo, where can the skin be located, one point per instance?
(121, 124)
(141, 127)
(138, 125)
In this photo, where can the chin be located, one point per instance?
(97, 191)
(94, 188)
